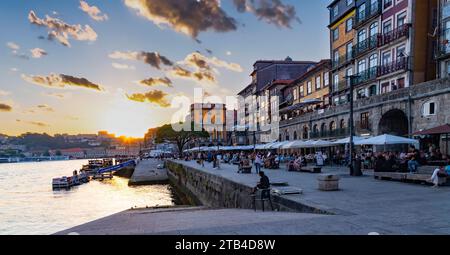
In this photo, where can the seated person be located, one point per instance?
(244, 164)
(264, 183)
(438, 173)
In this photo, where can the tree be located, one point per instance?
(181, 138)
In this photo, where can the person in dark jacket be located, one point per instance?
(264, 182)
(380, 162)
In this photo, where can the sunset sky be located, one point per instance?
(82, 66)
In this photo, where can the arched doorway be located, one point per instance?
(394, 122)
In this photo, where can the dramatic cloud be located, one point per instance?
(93, 11)
(34, 123)
(14, 69)
(200, 75)
(152, 58)
(123, 66)
(156, 81)
(5, 108)
(61, 31)
(13, 46)
(202, 62)
(156, 96)
(38, 53)
(188, 16)
(61, 81)
(271, 11)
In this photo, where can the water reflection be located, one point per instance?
(28, 205)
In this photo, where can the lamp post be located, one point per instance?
(353, 171)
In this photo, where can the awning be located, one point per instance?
(347, 140)
(387, 140)
(444, 129)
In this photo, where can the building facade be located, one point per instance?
(391, 47)
(442, 33)
(342, 18)
(212, 118)
(257, 103)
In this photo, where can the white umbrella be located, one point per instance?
(347, 140)
(387, 140)
(294, 145)
(318, 144)
(278, 145)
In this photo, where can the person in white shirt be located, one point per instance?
(438, 173)
(258, 163)
(319, 159)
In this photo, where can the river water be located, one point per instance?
(29, 206)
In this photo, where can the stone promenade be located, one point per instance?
(363, 205)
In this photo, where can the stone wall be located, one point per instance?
(217, 192)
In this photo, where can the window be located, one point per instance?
(401, 19)
(387, 4)
(335, 82)
(302, 91)
(361, 93)
(362, 11)
(349, 25)
(326, 79)
(373, 30)
(335, 10)
(342, 126)
(401, 83)
(373, 90)
(318, 82)
(362, 36)
(385, 87)
(332, 126)
(429, 109)
(295, 94)
(362, 66)
(373, 60)
(309, 87)
(349, 50)
(335, 34)
(349, 2)
(373, 6)
(387, 27)
(336, 56)
(401, 51)
(365, 120)
(386, 58)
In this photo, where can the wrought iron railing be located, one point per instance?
(366, 45)
(394, 66)
(391, 36)
(366, 75)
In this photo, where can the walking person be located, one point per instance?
(258, 163)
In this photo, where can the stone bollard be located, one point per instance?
(328, 182)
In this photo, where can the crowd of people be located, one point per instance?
(388, 161)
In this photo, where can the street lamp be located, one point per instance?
(357, 171)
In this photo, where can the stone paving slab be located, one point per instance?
(147, 172)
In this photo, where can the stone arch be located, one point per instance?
(332, 126)
(305, 132)
(295, 135)
(394, 122)
(342, 124)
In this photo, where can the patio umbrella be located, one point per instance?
(387, 140)
(347, 140)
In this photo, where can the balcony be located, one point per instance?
(342, 132)
(401, 64)
(342, 85)
(366, 45)
(399, 32)
(342, 60)
(362, 17)
(366, 76)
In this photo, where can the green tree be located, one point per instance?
(181, 138)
